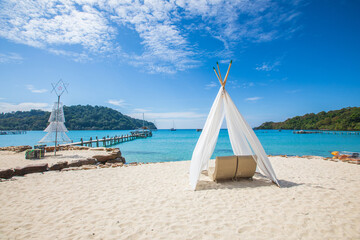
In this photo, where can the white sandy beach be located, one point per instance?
(318, 200)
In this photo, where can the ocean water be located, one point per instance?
(166, 145)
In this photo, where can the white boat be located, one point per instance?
(143, 129)
(173, 128)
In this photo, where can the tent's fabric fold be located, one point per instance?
(207, 140)
(238, 130)
(242, 137)
(237, 137)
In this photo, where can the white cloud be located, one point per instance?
(119, 103)
(226, 61)
(235, 84)
(253, 99)
(212, 85)
(96, 27)
(45, 23)
(10, 58)
(33, 90)
(77, 57)
(268, 66)
(25, 106)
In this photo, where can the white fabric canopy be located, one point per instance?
(242, 137)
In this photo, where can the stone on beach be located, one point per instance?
(6, 173)
(99, 149)
(16, 148)
(117, 160)
(88, 167)
(34, 168)
(105, 158)
(79, 163)
(118, 164)
(58, 166)
(105, 165)
(15, 164)
(71, 169)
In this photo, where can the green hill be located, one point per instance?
(343, 119)
(77, 118)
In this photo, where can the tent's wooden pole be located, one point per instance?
(217, 63)
(227, 74)
(218, 77)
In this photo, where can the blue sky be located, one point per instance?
(289, 57)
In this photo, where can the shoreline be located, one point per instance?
(13, 163)
(275, 143)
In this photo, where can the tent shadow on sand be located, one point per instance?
(258, 181)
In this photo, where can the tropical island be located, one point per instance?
(345, 119)
(77, 117)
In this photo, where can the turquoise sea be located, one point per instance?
(166, 145)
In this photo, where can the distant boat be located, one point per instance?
(199, 130)
(142, 129)
(173, 128)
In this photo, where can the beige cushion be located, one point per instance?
(225, 168)
(246, 166)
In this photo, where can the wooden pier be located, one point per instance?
(109, 141)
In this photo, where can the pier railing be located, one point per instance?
(109, 141)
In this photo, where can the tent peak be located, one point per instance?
(218, 75)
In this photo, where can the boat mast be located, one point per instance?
(143, 123)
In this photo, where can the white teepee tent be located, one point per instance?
(242, 137)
